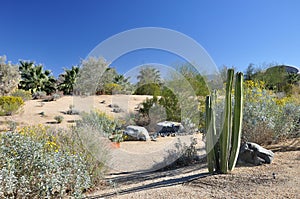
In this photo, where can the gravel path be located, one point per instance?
(194, 181)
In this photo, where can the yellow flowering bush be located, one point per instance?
(10, 105)
(41, 132)
(267, 117)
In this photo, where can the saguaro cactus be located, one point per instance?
(222, 153)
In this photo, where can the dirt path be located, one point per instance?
(281, 179)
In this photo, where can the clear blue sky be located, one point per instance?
(58, 33)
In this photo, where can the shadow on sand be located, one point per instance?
(131, 178)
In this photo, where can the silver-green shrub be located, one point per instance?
(267, 118)
(28, 169)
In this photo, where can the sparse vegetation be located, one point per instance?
(10, 105)
(59, 118)
(72, 110)
(25, 95)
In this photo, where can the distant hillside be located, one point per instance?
(288, 69)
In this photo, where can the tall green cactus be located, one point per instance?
(222, 154)
(237, 120)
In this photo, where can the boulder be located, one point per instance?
(136, 133)
(252, 153)
(167, 128)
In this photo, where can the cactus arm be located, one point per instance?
(209, 135)
(214, 130)
(237, 121)
(226, 131)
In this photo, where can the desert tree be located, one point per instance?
(9, 76)
(149, 81)
(90, 76)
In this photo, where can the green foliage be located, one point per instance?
(9, 77)
(35, 79)
(112, 88)
(10, 105)
(148, 89)
(124, 83)
(168, 101)
(95, 76)
(68, 80)
(149, 82)
(277, 78)
(195, 79)
(25, 95)
(29, 170)
(148, 75)
(171, 104)
(100, 122)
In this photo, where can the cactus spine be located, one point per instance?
(222, 154)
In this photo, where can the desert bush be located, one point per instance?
(10, 105)
(112, 88)
(72, 110)
(59, 118)
(100, 122)
(171, 104)
(56, 96)
(25, 95)
(82, 141)
(267, 118)
(28, 170)
(39, 95)
(9, 76)
(183, 155)
(148, 89)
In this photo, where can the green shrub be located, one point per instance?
(59, 118)
(168, 101)
(148, 89)
(112, 88)
(25, 95)
(28, 170)
(39, 95)
(266, 118)
(10, 105)
(78, 140)
(100, 122)
(72, 110)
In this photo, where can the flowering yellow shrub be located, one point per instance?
(268, 117)
(10, 105)
(41, 133)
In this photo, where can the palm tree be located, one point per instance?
(149, 81)
(34, 78)
(68, 80)
(149, 75)
(122, 81)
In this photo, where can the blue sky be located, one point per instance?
(58, 33)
